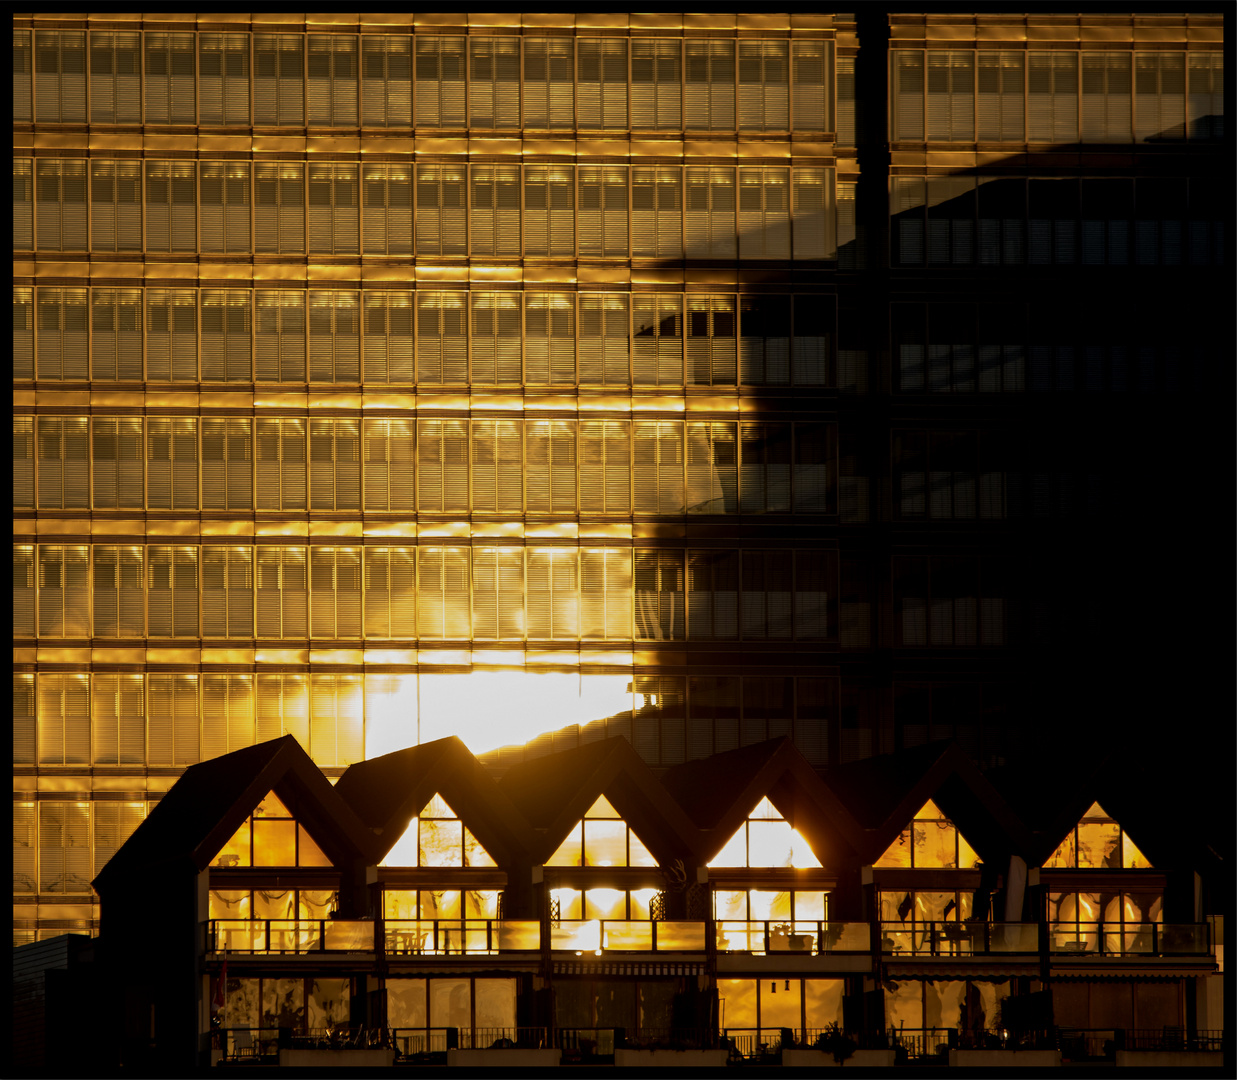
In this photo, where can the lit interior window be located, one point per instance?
(932, 840)
(271, 836)
(437, 837)
(1097, 842)
(602, 838)
(766, 839)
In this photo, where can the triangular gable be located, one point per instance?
(932, 840)
(271, 836)
(766, 839)
(1097, 841)
(602, 838)
(437, 837)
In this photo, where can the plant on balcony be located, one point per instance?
(833, 1040)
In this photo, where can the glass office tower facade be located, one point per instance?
(700, 379)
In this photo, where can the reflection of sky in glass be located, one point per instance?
(487, 709)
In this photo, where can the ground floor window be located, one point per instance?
(760, 1008)
(306, 1006)
(950, 1004)
(420, 1011)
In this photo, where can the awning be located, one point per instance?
(627, 967)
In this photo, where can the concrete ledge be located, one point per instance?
(671, 1059)
(1171, 1059)
(820, 1059)
(336, 1059)
(510, 1058)
(1004, 1059)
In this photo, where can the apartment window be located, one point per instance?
(1053, 214)
(764, 214)
(332, 72)
(388, 343)
(23, 333)
(951, 96)
(387, 213)
(601, 85)
(815, 582)
(549, 80)
(334, 465)
(1000, 95)
(550, 466)
(442, 212)
(25, 718)
(605, 332)
(116, 335)
(497, 471)
(170, 81)
(494, 82)
(1159, 97)
(282, 707)
(278, 80)
(172, 591)
(442, 592)
(660, 609)
(712, 469)
(173, 725)
(223, 80)
(226, 336)
(657, 470)
(64, 719)
(171, 206)
(815, 450)
(390, 592)
(764, 344)
(765, 469)
(335, 592)
(602, 214)
(713, 595)
(119, 588)
(279, 335)
(224, 206)
(812, 78)
(334, 337)
(64, 465)
(656, 213)
(442, 465)
(908, 95)
(116, 206)
(389, 478)
(1106, 97)
(61, 210)
(23, 65)
(767, 589)
(549, 211)
(227, 592)
(334, 228)
(549, 339)
(118, 708)
(227, 464)
(553, 594)
(605, 594)
(936, 473)
(283, 594)
(655, 83)
(764, 84)
(605, 467)
(498, 594)
(64, 847)
(846, 101)
(495, 339)
(713, 715)
(815, 332)
(114, 823)
(279, 208)
(172, 463)
(117, 463)
(1052, 97)
(60, 77)
(23, 462)
(657, 345)
(1206, 101)
(386, 81)
(708, 98)
(440, 82)
(813, 214)
(944, 602)
(23, 204)
(227, 714)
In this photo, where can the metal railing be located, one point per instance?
(410, 1042)
(430, 937)
(295, 936)
(1102, 1044)
(959, 938)
(1130, 939)
(622, 935)
(770, 935)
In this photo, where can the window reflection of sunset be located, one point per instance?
(766, 839)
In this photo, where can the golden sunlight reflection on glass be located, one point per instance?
(766, 839)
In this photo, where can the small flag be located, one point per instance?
(221, 988)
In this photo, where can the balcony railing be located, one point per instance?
(1130, 939)
(959, 938)
(1102, 1044)
(621, 935)
(801, 937)
(294, 936)
(439, 937)
(409, 1042)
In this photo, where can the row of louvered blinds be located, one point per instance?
(52, 849)
(947, 475)
(231, 591)
(496, 210)
(482, 466)
(949, 601)
(946, 348)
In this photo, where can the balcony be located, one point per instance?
(445, 937)
(812, 938)
(1129, 939)
(411, 1043)
(614, 935)
(954, 939)
(294, 937)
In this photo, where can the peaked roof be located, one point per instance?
(555, 791)
(190, 825)
(719, 792)
(886, 792)
(387, 792)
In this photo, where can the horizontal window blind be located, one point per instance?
(442, 338)
(171, 206)
(553, 594)
(278, 80)
(116, 205)
(389, 340)
(334, 465)
(170, 79)
(660, 609)
(63, 463)
(118, 710)
(173, 727)
(386, 81)
(25, 717)
(224, 206)
(605, 593)
(549, 77)
(172, 463)
(390, 592)
(496, 339)
(227, 714)
(223, 80)
(550, 466)
(1000, 96)
(117, 454)
(334, 208)
(334, 337)
(335, 592)
(387, 209)
(23, 462)
(116, 335)
(440, 77)
(549, 210)
(657, 213)
(172, 591)
(497, 468)
(226, 336)
(62, 218)
(605, 466)
(765, 468)
(114, 823)
(709, 84)
(442, 210)
(601, 217)
(279, 335)
(657, 467)
(764, 85)
(23, 204)
(655, 83)
(227, 464)
(64, 719)
(443, 593)
(64, 848)
(279, 208)
(227, 592)
(389, 468)
(282, 707)
(712, 468)
(549, 339)
(332, 80)
(601, 83)
(283, 593)
(442, 465)
(812, 71)
(336, 735)
(172, 335)
(23, 69)
(764, 214)
(497, 594)
(711, 358)
(604, 340)
(713, 595)
(59, 77)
